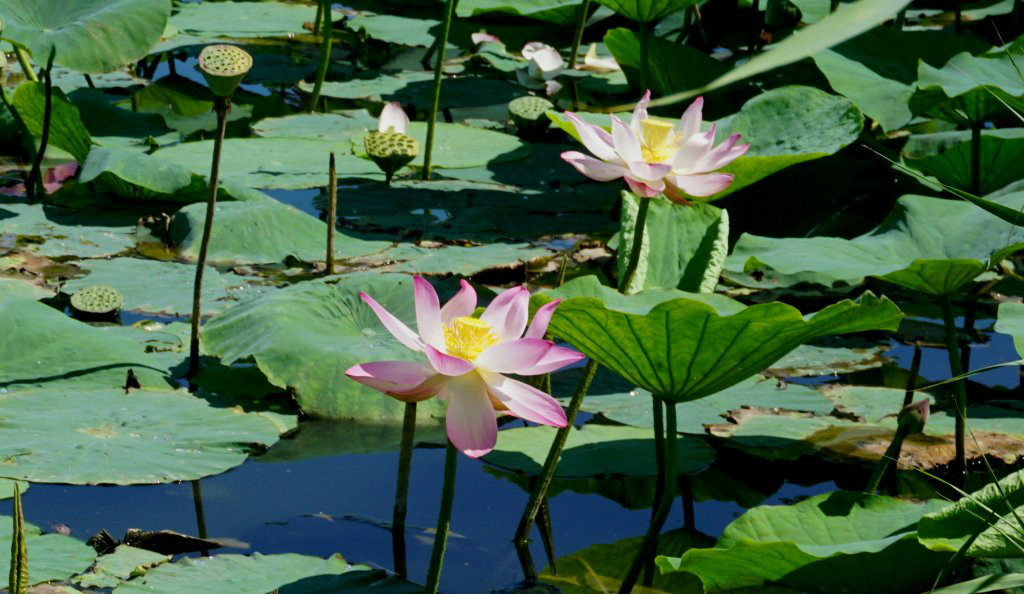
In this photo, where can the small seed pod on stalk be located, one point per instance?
(224, 67)
(390, 151)
(528, 114)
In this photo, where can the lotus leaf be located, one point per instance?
(318, 438)
(52, 557)
(413, 32)
(969, 89)
(993, 514)
(86, 234)
(335, 126)
(124, 563)
(243, 19)
(942, 157)
(454, 259)
(66, 128)
(673, 67)
(132, 174)
(559, 12)
(410, 87)
(646, 11)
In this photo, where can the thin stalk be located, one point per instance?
(901, 19)
(332, 215)
(645, 55)
(959, 388)
(221, 105)
(442, 43)
(88, 81)
(891, 453)
(755, 27)
(319, 16)
(650, 542)
(26, 68)
(658, 410)
(689, 514)
(915, 368)
(970, 317)
(976, 159)
(402, 489)
(34, 183)
(577, 38)
(958, 19)
(197, 502)
(547, 473)
(444, 518)
(325, 54)
(638, 242)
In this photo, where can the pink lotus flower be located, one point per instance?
(545, 63)
(393, 119)
(654, 156)
(466, 358)
(482, 36)
(53, 179)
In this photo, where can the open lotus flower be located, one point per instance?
(654, 156)
(545, 63)
(592, 62)
(466, 358)
(393, 119)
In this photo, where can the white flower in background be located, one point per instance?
(592, 62)
(393, 119)
(482, 36)
(545, 63)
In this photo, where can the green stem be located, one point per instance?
(755, 27)
(650, 542)
(444, 518)
(402, 489)
(891, 453)
(658, 410)
(197, 502)
(34, 183)
(547, 472)
(318, 18)
(959, 389)
(325, 53)
(332, 216)
(976, 159)
(442, 43)
(901, 19)
(26, 68)
(915, 368)
(577, 38)
(638, 243)
(221, 106)
(645, 55)
(958, 18)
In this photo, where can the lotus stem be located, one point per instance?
(755, 30)
(18, 577)
(891, 453)
(444, 518)
(958, 19)
(650, 543)
(221, 106)
(316, 20)
(547, 473)
(26, 68)
(92, 85)
(34, 183)
(689, 514)
(332, 216)
(915, 368)
(325, 52)
(402, 490)
(645, 54)
(442, 43)
(976, 159)
(577, 39)
(959, 389)
(901, 19)
(833, 5)
(638, 242)
(658, 413)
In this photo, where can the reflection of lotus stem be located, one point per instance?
(638, 242)
(650, 543)
(332, 212)
(441, 43)
(197, 502)
(26, 68)
(402, 489)
(539, 492)
(444, 518)
(34, 183)
(976, 158)
(658, 413)
(221, 105)
(325, 53)
(959, 390)
(891, 453)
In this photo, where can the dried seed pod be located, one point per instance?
(390, 150)
(528, 115)
(97, 300)
(224, 67)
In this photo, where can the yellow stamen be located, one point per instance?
(658, 141)
(467, 337)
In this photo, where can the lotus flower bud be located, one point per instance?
(390, 150)
(528, 114)
(224, 67)
(912, 417)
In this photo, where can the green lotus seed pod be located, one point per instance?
(97, 300)
(528, 115)
(223, 67)
(390, 150)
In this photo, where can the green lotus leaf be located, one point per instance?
(458, 147)
(124, 563)
(649, 339)
(67, 131)
(15, 287)
(115, 126)
(145, 436)
(969, 89)
(1010, 320)
(134, 175)
(185, 105)
(946, 156)
(931, 245)
(453, 259)
(52, 557)
(821, 544)
(407, 31)
(96, 36)
(559, 12)
(594, 450)
(672, 67)
(305, 336)
(1009, 582)
(878, 70)
(245, 20)
(83, 233)
(646, 11)
(993, 513)
(414, 88)
(336, 126)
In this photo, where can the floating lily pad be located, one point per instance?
(559, 12)
(464, 261)
(648, 339)
(16, 287)
(86, 234)
(52, 557)
(305, 336)
(244, 19)
(97, 36)
(820, 544)
(142, 437)
(459, 147)
(931, 245)
(412, 87)
(337, 126)
(829, 358)
(390, 28)
(135, 175)
(185, 105)
(114, 126)
(113, 568)
(594, 450)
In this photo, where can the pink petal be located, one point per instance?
(645, 189)
(649, 171)
(483, 36)
(722, 155)
(428, 312)
(399, 330)
(703, 185)
(446, 364)
(689, 124)
(640, 112)
(555, 359)
(595, 138)
(392, 116)
(525, 401)
(470, 420)
(461, 305)
(593, 168)
(691, 153)
(627, 145)
(541, 319)
(404, 380)
(514, 356)
(508, 312)
(552, 87)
